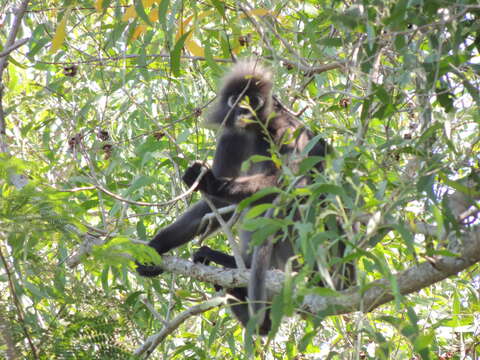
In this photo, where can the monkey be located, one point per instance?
(250, 125)
(237, 142)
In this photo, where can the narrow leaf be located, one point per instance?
(175, 54)
(162, 11)
(60, 34)
(141, 12)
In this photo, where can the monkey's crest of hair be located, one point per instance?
(247, 78)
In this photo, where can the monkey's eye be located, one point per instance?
(232, 102)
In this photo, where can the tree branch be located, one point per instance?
(152, 342)
(13, 33)
(378, 292)
(18, 305)
(411, 280)
(3, 64)
(227, 229)
(84, 249)
(130, 56)
(13, 47)
(8, 338)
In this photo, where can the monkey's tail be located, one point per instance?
(257, 290)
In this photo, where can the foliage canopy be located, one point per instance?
(101, 108)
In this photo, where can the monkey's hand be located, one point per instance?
(208, 183)
(202, 256)
(148, 270)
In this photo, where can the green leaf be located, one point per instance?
(36, 46)
(445, 98)
(219, 6)
(276, 313)
(430, 132)
(423, 341)
(314, 141)
(322, 291)
(258, 195)
(140, 182)
(141, 230)
(329, 189)
(382, 94)
(162, 11)
(258, 210)
(35, 290)
(104, 278)
(133, 298)
(176, 52)
(141, 11)
(334, 42)
(365, 108)
(308, 163)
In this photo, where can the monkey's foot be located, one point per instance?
(202, 255)
(148, 270)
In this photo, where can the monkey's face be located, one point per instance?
(244, 110)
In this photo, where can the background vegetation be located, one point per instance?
(101, 104)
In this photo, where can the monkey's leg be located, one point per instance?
(206, 255)
(183, 230)
(239, 305)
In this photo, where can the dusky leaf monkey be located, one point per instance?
(250, 125)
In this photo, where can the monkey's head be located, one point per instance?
(245, 96)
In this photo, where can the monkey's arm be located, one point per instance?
(183, 230)
(231, 190)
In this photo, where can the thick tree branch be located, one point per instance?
(411, 280)
(354, 299)
(13, 32)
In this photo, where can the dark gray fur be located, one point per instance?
(226, 183)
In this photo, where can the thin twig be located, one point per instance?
(84, 188)
(152, 342)
(142, 203)
(130, 56)
(228, 232)
(21, 318)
